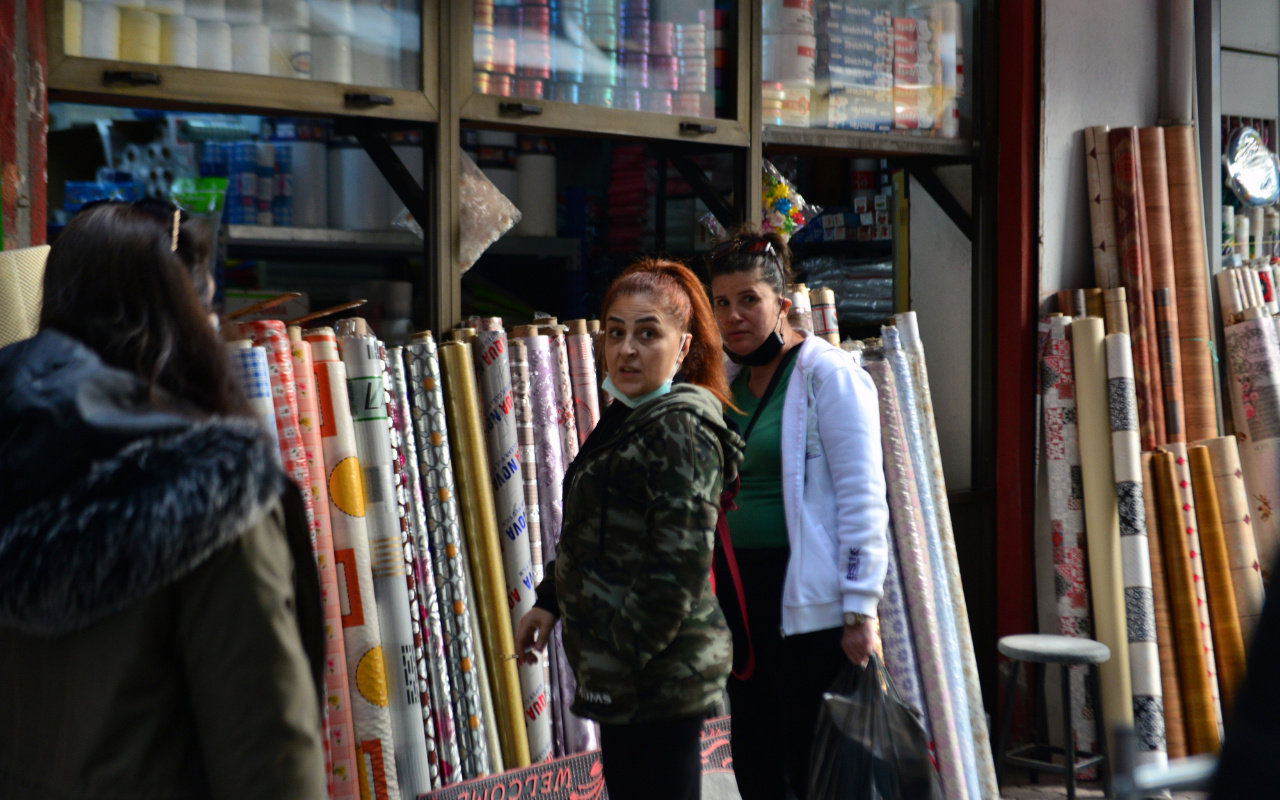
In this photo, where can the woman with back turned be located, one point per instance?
(808, 540)
(631, 580)
(160, 623)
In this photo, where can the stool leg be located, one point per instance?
(1006, 721)
(1039, 714)
(1069, 739)
(1106, 774)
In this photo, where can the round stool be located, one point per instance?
(1040, 649)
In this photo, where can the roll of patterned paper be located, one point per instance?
(1175, 728)
(337, 689)
(1170, 364)
(564, 392)
(800, 316)
(360, 354)
(443, 547)
(1135, 556)
(913, 553)
(1193, 667)
(1066, 514)
(913, 346)
(361, 630)
(250, 364)
(895, 639)
(271, 335)
(439, 688)
(1237, 528)
(1130, 233)
(825, 324)
(1253, 363)
(1094, 304)
(493, 372)
(1155, 195)
(582, 376)
(1102, 519)
(1183, 468)
(1228, 643)
(484, 547)
(907, 406)
(1071, 302)
(1102, 218)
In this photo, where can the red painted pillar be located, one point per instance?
(23, 173)
(1016, 286)
(37, 113)
(10, 172)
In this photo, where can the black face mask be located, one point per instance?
(766, 352)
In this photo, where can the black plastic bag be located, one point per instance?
(869, 745)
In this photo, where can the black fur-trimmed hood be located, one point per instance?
(103, 500)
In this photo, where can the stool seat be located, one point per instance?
(1044, 648)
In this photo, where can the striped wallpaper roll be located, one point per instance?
(1237, 528)
(1175, 726)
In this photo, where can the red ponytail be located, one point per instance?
(675, 285)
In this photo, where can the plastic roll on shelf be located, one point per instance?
(1102, 520)
(1253, 363)
(179, 41)
(536, 193)
(206, 10)
(1257, 229)
(291, 54)
(825, 325)
(287, 15)
(357, 190)
(1166, 331)
(1066, 512)
(789, 58)
(1242, 237)
(310, 182)
(360, 354)
(331, 59)
(250, 364)
(493, 372)
(483, 547)
(213, 45)
(244, 12)
(1135, 555)
(251, 49)
(361, 628)
(582, 376)
(895, 639)
(447, 561)
(139, 36)
(72, 27)
(1228, 642)
(564, 393)
(1228, 231)
(1193, 667)
(1175, 729)
(1102, 218)
(1237, 527)
(800, 315)
(337, 686)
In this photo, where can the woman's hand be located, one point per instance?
(533, 633)
(859, 641)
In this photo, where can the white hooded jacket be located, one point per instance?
(833, 490)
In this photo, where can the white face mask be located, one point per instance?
(635, 402)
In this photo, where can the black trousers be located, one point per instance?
(774, 712)
(651, 760)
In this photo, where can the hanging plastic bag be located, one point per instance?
(784, 210)
(869, 745)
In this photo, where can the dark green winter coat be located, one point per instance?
(642, 628)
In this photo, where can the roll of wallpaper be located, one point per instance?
(443, 547)
(1230, 299)
(493, 372)
(101, 31)
(1228, 642)
(1237, 528)
(439, 688)
(1175, 728)
(1228, 231)
(1066, 513)
(361, 629)
(251, 49)
(213, 45)
(1253, 366)
(800, 315)
(1155, 196)
(564, 392)
(337, 689)
(1102, 520)
(913, 553)
(1134, 266)
(139, 36)
(1102, 218)
(484, 548)
(1116, 314)
(178, 41)
(895, 639)
(582, 377)
(908, 408)
(913, 346)
(825, 324)
(1170, 364)
(1193, 667)
(360, 354)
(1094, 304)
(250, 364)
(1071, 303)
(1135, 556)
(271, 335)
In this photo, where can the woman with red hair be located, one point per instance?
(642, 628)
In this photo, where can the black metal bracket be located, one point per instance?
(368, 99)
(701, 185)
(519, 108)
(406, 186)
(697, 127)
(929, 181)
(131, 77)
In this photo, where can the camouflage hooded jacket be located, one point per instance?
(642, 628)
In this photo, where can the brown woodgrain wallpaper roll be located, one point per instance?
(1186, 217)
(1116, 311)
(1228, 642)
(1193, 670)
(1170, 364)
(1102, 217)
(1175, 727)
(1094, 305)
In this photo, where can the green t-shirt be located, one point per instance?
(761, 518)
